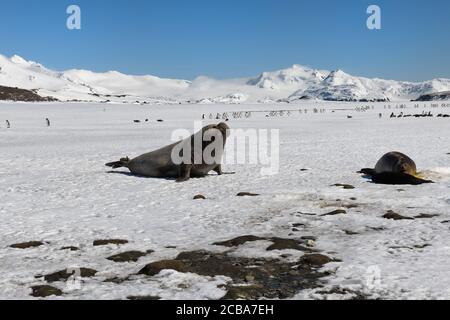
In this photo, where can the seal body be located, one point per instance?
(395, 168)
(183, 159)
(396, 162)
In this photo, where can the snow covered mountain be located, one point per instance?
(340, 86)
(289, 85)
(289, 79)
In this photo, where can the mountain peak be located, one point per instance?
(18, 60)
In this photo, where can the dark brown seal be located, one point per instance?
(395, 168)
(184, 159)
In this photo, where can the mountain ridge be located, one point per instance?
(286, 85)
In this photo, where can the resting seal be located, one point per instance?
(184, 159)
(395, 168)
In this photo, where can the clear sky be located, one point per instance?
(232, 38)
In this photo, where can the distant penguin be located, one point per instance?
(48, 122)
(8, 125)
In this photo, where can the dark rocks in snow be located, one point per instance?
(27, 245)
(297, 225)
(242, 292)
(395, 216)
(252, 278)
(247, 194)
(199, 197)
(287, 244)
(426, 216)
(16, 94)
(238, 241)
(334, 213)
(109, 241)
(316, 259)
(154, 268)
(437, 96)
(129, 256)
(70, 248)
(45, 291)
(64, 275)
(143, 298)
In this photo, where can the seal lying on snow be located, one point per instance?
(195, 156)
(395, 168)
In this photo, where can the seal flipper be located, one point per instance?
(367, 171)
(397, 178)
(119, 164)
(184, 173)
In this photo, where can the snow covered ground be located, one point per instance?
(56, 189)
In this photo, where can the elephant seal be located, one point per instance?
(395, 168)
(184, 159)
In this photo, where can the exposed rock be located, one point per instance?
(355, 295)
(350, 233)
(45, 291)
(426, 216)
(109, 241)
(285, 244)
(63, 275)
(334, 213)
(16, 94)
(247, 194)
(306, 213)
(70, 248)
(272, 279)
(395, 216)
(156, 267)
(199, 197)
(129, 256)
(238, 241)
(296, 225)
(242, 292)
(27, 245)
(436, 96)
(116, 280)
(146, 298)
(422, 246)
(316, 259)
(377, 228)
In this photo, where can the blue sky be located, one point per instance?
(232, 38)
